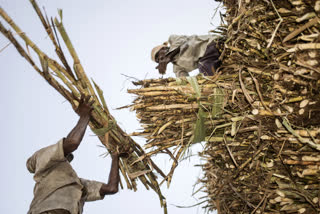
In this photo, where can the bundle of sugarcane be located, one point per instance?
(174, 113)
(71, 84)
(259, 114)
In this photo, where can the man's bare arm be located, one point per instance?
(114, 178)
(74, 138)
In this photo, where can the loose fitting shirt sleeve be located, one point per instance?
(179, 71)
(45, 158)
(92, 189)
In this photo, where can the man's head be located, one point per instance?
(161, 54)
(156, 51)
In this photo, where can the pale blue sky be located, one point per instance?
(111, 37)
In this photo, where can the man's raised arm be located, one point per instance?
(114, 178)
(74, 138)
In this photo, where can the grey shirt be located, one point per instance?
(57, 184)
(192, 48)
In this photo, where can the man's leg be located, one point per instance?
(210, 62)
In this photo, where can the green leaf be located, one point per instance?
(100, 94)
(44, 64)
(104, 130)
(178, 81)
(200, 129)
(181, 81)
(60, 14)
(194, 83)
(286, 124)
(218, 102)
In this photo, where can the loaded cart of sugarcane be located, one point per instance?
(258, 114)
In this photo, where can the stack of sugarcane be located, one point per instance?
(174, 113)
(71, 83)
(259, 115)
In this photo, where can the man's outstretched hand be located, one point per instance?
(124, 151)
(162, 67)
(85, 106)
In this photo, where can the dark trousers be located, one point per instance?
(210, 62)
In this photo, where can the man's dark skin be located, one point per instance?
(163, 58)
(74, 138)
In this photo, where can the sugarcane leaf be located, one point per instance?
(194, 84)
(233, 129)
(181, 81)
(44, 64)
(244, 90)
(137, 174)
(60, 14)
(164, 127)
(100, 94)
(287, 125)
(186, 147)
(218, 99)
(104, 130)
(200, 129)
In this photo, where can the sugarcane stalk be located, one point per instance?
(23, 35)
(173, 106)
(174, 165)
(46, 25)
(24, 54)
(82, 77)
(52, 64)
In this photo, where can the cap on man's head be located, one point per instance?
(31, 164)
(156, 49)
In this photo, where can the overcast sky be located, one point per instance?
(112, 37)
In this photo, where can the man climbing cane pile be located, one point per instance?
(58, 189)
(188, 53)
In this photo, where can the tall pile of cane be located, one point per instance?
(259, 115)
(71, 82)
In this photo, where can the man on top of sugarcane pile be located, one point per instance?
(188, 53)
(58, 188)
